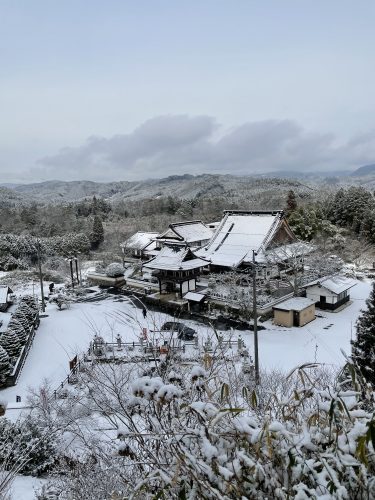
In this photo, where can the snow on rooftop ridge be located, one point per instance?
(238, 234)
(295, 304)
(173, 257)
(192, 231)
(335, 284)
(189, 231)
(139, 240)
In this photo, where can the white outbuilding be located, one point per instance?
(330, 293)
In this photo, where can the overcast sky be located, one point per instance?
(124, 90)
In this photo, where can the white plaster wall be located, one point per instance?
(185, 287)
(314, 293)
(192, 285)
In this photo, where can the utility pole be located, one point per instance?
(76, 261)
(255, 321)
(71, 270)
(39, 253)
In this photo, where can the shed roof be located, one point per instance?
(295, 304)
(194, 297)
(335, 284)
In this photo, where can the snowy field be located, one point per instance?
(63, 334)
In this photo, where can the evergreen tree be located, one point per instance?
(27, 311)
(17, 327)
(30, 301)
(97, 233)
(94, 207)
(291, 203)
(20, 316)
(363, 348)
(4, 365)
(27, 445)
(9, 341)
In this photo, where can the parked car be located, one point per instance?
(183, 332)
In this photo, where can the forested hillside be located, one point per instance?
(327, 215)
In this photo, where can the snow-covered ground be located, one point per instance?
(25, 487)
(63, 334)
(321, 340)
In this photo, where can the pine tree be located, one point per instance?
(9, 341)
(291, 203)
(363, 348)
(4, 365)
(30, 301)
(20, 316)
(97, 233)
(27, 311)
(17, 327)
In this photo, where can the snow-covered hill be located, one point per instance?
(184, 186)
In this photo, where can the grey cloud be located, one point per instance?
(179, 143)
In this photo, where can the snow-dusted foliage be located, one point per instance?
(9, 341)
(363, 347)
(30, 301)
(27, 310)
(18, 328)
(114, 270)
(207, 432)
(312, 443)
(4, 365)
(25, 447)
(67, 245)
(23, 318)
(15, 249)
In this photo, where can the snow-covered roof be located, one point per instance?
(284, 252)
(295, 304)
(175, 258)
(4, 290)
(189, 231)
(139, 240)
(195, 297)
(238, 234)
(335, 284)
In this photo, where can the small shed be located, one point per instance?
(330, 293)
(297, 311)
(5, 299)
(195, 300)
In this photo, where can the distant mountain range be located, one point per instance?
(365, 170)
(182, 186)
(186, 186)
